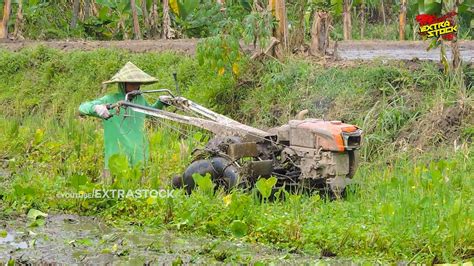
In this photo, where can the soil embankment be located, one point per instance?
(347, 50)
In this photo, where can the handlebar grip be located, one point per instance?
(110, 107)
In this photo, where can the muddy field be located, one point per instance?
(367, 50)
(71, 239)
(347, 50)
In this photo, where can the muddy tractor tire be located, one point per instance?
(223, 173)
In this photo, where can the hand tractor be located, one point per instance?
(305, 154)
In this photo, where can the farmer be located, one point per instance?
(123, 134)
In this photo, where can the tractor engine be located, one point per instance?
(303, 154)
(323, 151)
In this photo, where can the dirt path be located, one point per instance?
(186, 46)
(347, 50)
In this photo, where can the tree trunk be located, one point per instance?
(347, 23)
(415, 28)
(75, 13)
(146, 18)
(87, 9)
(4, 22)
(297, 36)
(136, 24)
(362, 19)
(94, 9)
(257, 7)
(17, 33)
(456, 54)
(320, 33)
(443, 56)
(167, 31)
(402, 19)
(154, 31)
(278, 9)
(121, 27)
(382, 10)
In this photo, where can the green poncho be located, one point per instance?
(124, 133)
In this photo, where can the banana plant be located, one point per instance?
(116, 16)
(196, 18)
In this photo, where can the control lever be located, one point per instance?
(129, 96)
(175, 77)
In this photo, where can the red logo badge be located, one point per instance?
(434, 27)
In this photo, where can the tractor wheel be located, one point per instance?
(223, 173)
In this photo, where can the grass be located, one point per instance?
(409, 206)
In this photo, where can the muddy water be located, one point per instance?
(400, 54)
(70, 239)
(405, 50)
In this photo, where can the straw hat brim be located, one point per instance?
(131, 74)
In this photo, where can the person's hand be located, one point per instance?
(101, 110)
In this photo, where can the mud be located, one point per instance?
(71, 239)
(399, 50)
(441, 125)
(347, 50)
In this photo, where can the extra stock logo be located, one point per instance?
(435, 27)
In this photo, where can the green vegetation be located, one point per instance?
(113, 19)
(413, 198)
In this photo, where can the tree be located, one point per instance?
(75, 13)
(17, 33)
(278, 10)
(402, 19)
(154, 31)
(87, 9)
(320, 32)
(297, 35)
(346, 17)
(6, 17)
(136, 25)
(382, 11)
(167, 31)
(456, 54)
(362, 19)
(146, 18)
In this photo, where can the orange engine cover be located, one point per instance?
(325, 135)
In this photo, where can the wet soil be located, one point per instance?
(71, 239)
(347, 50)
(399, 50)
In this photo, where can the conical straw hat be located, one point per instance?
(131, 73)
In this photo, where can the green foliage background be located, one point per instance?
(46, 20)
